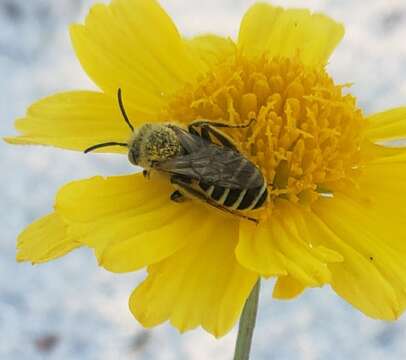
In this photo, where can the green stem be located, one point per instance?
(247, 325)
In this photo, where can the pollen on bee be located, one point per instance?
(162, 144)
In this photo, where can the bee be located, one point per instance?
(201, 161)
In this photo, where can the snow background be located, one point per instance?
(71, 308)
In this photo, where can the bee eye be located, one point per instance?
(133, 156)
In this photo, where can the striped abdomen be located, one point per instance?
(236, 199)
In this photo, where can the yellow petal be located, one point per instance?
(373, 274)
(381, 193)
(102, 198)
(202, 284)
(279, 32)
(211, 49)
(257, 251)
(45, 239)
(376, 153)
(148, 238)
(73, 120)
(132, 217)
(287, 288)
(375, 217)
(390, 156)
(284, 246)
(387, 125)
(133, 44)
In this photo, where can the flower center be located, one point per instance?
(307, 133)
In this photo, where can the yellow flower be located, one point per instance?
(335, 214)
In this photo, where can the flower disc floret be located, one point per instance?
(307, 132)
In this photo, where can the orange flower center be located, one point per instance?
(307, 133)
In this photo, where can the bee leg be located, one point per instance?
(218, 124)
(206, 130)
(177, 196)
(187, 188)
(146, 173)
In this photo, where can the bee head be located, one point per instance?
(148, 144)
(153, 142)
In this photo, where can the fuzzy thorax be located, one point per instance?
(153, 142)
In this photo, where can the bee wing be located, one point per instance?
(214, 165)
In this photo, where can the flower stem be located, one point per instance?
(247, 325)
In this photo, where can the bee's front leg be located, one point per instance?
(146, 173)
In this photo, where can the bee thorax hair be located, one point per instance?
(153, 142)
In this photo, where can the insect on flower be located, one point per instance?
(198, 167)
(309, 139)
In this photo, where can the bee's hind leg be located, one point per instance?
(209, 128)
(206, 130)
(218, 124)
(188, 189)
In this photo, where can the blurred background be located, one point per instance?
(71, 308)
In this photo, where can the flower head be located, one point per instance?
(334, 213)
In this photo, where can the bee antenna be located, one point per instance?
(120, 103)
(112, 143)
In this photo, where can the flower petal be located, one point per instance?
(148, 238)
(287, 288)
(387, 125)
(128, 220)
(258, 252)
(73, 120)
(373, 274)
(211, 48)
(376, 153)
(102, 198)
(45, 239)
(381, 191)
(133, 44)
(279, 32)
(202, 284)
(284, 246)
